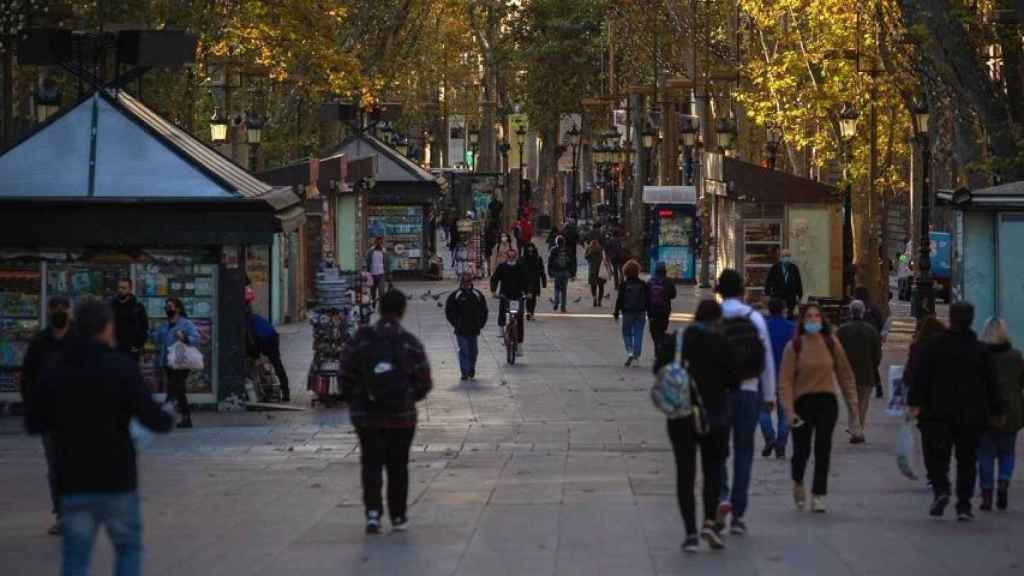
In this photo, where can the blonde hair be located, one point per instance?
(995, 331)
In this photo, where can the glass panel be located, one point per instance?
(762, 231)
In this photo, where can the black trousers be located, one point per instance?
(939, 440)
(658, 326)
(52, 473)
(380, 449)
(176, 390)
(712, 453)
(819, 413)
(597, 291)
(273, 353)
(531, 303)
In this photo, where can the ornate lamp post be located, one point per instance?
(923, 298)
(847, 130)
(521, 137)
(725, 129)
(573, 137)
(253, 135)
(218, 126)
(46, 100)
(474, 143)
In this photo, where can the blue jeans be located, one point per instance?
(561, 290)
(120, 513)
(768, 431)
(468, 352)
(993, 446)
(744, 410)
(633, 332)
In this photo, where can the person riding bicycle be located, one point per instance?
(508, 282)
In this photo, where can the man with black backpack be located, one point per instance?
(384, 372)
(560, 268)
(747, 333)
(660, 294)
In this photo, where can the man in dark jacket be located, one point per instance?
(873, 316)
(508, 282)
(384, 372)
(42, 352)
(571, 233)
(955, 396)
(560, 266)
(86, 401)
(616, 253)
(660, 293)
(131, 324)
(863, 346)
(534, 276)
(784, 282)
(466, 311)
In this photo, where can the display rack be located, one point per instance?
(342, 308)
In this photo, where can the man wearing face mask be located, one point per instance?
(131, 324)
(178, 328)
(40, 356)
(784, 282)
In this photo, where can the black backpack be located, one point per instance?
(747, 347)
(633, 297)
(562, 261)
(656, 295)
(386, 381)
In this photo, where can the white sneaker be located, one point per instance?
(799, 496)
(818, 504)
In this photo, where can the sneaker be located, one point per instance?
(724, 509)
(818, 504)
(711, 536)
(472, 375)
(939, 505)
(691, 545)
(767, 452)
(400, 524)
(964, 516)
(629, 361)
(799, 496)
(780, 452)
(738, 527)
(373, 522)
(857, 439)
(57, 529)
(1003, 495)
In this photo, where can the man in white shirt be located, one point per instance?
(745, 405)
(375, 265)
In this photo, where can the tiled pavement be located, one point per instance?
(555, 466)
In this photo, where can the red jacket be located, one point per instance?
(525, 230)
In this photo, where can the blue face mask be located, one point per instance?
(812, 327)
(786, 259)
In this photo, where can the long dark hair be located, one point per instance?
(178, 306)
(826, 326)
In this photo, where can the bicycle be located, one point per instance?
(513, 328)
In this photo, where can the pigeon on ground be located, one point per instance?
(425, 295)
(578, 300)
(437, 297)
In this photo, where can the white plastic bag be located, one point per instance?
(181, 356)
(905, 449)
(897, 392)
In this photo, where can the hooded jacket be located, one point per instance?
(954, 381)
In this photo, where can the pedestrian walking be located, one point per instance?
(955, 397)
(863, 347)
(780, 332)
(571, 233)
(376, 264)
(747, 333)
(553, 235)
(660, 293)
(784, 282)
(178, 328)
(466, 311)
(85, 403)
(616, 252)
(998, 444)
(595, 259)
(707, 356)
(509, 283)
(811, 365)
(525, 232)
(535, 277)
(560, 270)
(263, 340)
(385, 372)
(40, 356)
(873, 316)
(131, 323)
(631, 303)
(501, 252)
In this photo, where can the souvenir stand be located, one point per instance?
(343, 307)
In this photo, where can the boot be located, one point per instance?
(986, 500)
(1003, 495)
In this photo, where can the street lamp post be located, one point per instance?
(923, 297)
(218, 127)
(847, 130)
(474, 143)
(254, 136)
(46, 100)
(574, 142)
(521, 137)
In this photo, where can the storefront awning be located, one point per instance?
(746, 182)
(1003, 197)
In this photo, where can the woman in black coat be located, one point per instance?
(536, 278)
(707, 356)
